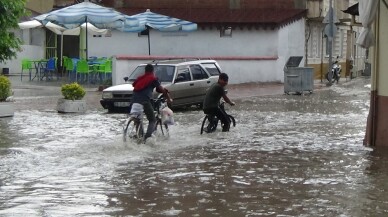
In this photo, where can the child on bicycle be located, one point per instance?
(212, 101)
(142, 94)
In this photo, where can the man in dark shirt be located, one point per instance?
(212, 101)
(142, 94)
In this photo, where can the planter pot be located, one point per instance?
(71, 106)
(6, 109)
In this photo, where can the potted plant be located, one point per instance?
(6, 104)
(73, 99)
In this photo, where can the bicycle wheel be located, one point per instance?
(133, 130)
(209, 124)
(164, 131)
(232, 120)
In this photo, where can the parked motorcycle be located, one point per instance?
(335, 72)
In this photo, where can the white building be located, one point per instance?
(251, 45)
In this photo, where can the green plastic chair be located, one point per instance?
(105, 70)
(26, 65)
(69, 66)
(64, 62)
(82, 70)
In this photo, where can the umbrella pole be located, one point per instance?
(61, 48)
(61, 57)
(86, 19)
(149, 43)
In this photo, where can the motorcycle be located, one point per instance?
(335, 72)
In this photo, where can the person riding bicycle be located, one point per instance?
(212, 101)
(142, 94)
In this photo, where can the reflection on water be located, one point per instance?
(287, 156)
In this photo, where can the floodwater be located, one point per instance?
(288, 155)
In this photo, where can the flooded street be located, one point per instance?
(289, 155)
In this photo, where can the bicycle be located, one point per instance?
(134, 128)
(210, 122)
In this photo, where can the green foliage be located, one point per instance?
(73, 91)
(5, 88)
(10, 13)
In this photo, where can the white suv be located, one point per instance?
(187, 81)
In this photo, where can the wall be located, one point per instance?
(40, 6)
(249, 56)
(201, 42)
(291, 43)
(32, 48)
(27, 51)
(243, 4)
(377, 122)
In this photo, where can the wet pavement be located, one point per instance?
(289, 155)
(28, 92)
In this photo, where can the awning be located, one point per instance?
(352, 10)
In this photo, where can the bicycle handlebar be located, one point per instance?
(158, 102)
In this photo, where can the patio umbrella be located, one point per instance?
(159, 22)
(59, 30)
(87, 12)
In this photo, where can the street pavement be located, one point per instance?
(27, 93)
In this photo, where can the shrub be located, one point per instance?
(5, 88)
(73, 91)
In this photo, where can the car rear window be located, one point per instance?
(211, 68)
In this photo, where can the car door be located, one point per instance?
(214, 70)
(200, 83)
(180, 90)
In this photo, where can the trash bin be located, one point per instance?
(297, 79)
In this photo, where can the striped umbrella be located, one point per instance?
(159, 22)
(86, 12)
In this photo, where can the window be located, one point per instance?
(226, 32)
(183, 75)
(211, 68)
(164, 73)
(198, 73)
(314, 43)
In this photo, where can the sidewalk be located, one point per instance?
(35, 84)
(49, 91)
(43, 95)
(234, 90)
(263, 89)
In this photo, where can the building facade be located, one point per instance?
(351, 57)
(251, 39)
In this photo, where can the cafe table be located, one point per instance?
(39, 65)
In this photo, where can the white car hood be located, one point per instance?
(120, 87)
